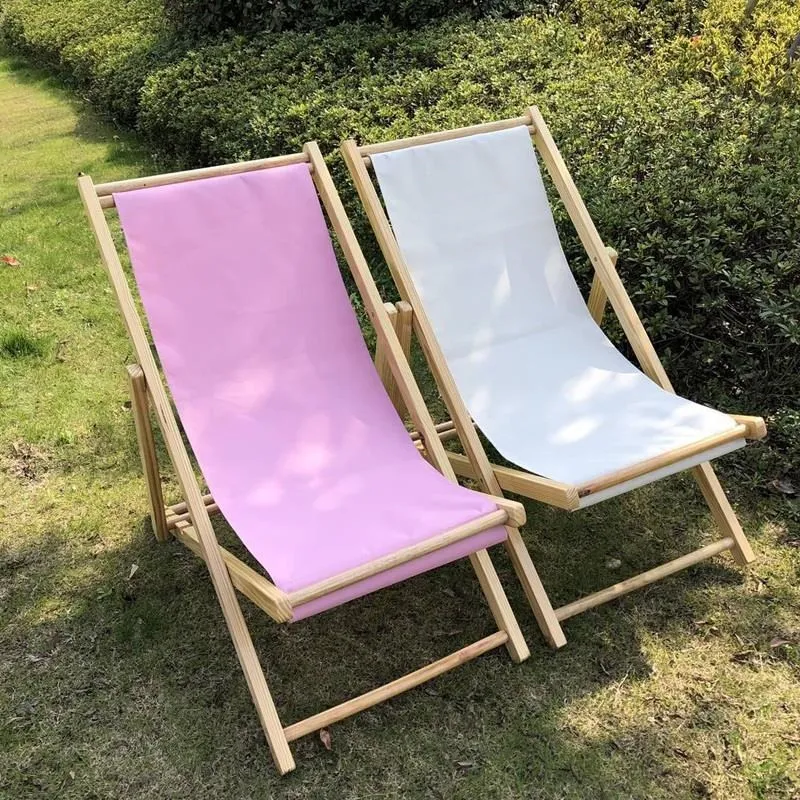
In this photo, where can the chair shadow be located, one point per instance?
(145, 659)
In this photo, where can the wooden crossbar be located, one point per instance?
(499, 517)
(660, 461)
(166, 178)
(175, 517)
(364, 701)
(645, 578)
(442, 136)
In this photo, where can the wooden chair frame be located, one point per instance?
(189, 521)
(606, 288)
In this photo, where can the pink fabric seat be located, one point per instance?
(296, 437)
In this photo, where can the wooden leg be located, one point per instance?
(723, 513)
(499, 605)
(401, 316)
(405, 322)
(147, 450)
(534, 590)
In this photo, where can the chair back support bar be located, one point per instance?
(209, 547)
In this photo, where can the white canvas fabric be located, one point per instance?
(538, 376)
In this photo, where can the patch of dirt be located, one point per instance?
(25, 461)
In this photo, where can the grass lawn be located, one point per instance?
(121, 682)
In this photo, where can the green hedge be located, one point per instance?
(204, 17)
(686, 155)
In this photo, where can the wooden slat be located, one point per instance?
(250, 583)
(404, 328)
(660, 461)
(180, 508)
(560, 495)
(637, 582)
(140, 406)
(494, 518)
(442, 136)
(364, 701)
(175, 519)
(106, 189)
(446, 430)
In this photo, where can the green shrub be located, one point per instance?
(737, 49)
(204, 17)
(685, 149)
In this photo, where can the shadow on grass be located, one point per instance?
(130, 682)
(124, 151)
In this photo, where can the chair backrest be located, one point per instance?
(474, 225)
(261, 349)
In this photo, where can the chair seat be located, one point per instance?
(566, 404)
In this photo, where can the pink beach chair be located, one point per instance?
(294, 433)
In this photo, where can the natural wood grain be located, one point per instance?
(364, 701)
(441, 372)
(250, 583)
(140, 406)
(660, 461)
(755, 427)
(722, 512)
(443, 136)
(412, 553)
(597, 296)
(107, 189)
(645, 578)
(596, 250)
(560, 495)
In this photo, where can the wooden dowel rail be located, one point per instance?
(364, 701)
(180, 508)
(444, 429)
(645, 578)
(176, 519)
(663, 460)
(499, 517)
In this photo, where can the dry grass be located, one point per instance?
(118, 686)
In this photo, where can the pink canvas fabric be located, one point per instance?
(295, 435)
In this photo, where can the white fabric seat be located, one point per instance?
(538, 376)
